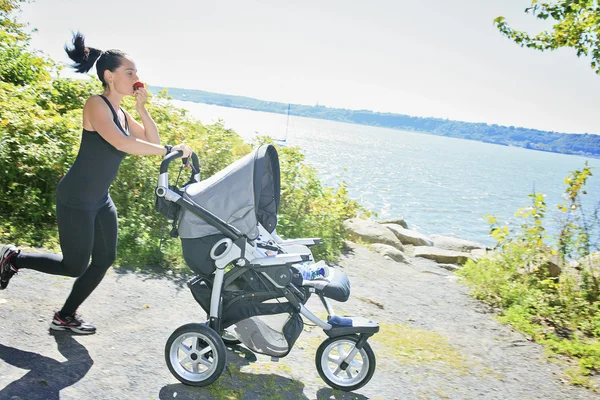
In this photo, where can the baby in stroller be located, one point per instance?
(252, 284)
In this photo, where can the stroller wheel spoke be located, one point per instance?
(195, 367)
(204, 351)
(332, 359)
(205, 362)
(349, 373)
(185, 361)
(184, 348)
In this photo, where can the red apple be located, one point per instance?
(138, 85)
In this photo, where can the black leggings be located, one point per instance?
(82, 233)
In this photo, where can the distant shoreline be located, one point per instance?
(587, 145)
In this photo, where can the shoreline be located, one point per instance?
(406, 128)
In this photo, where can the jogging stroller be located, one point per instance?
(252, 284)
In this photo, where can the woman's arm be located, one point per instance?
(147, 130)
(100, 117)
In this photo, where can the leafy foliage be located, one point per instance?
(577, 26)
(562, 309)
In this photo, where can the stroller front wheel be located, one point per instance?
(342, 373)
(195, 354)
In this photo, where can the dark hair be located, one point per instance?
(85, 57)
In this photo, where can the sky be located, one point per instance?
(435, 58)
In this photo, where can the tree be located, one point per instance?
(577, 26)
(18, 64)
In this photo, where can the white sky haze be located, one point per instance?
(435, 58)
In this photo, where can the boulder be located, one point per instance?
(546, 266)
(478, 253)
(407, 236)
(390, 252)
(442, 256)
(589, 263)
(456, 244)
(396, 221)
(552, 266)
(449, 267)
(369, 231)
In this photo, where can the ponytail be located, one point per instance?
(83, 57)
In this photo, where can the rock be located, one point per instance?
(548, 266)
(478, 253)
(551, 265)
(449, 267)
(591, 262)
(456, 244)
(396, 221)
(407, 236)
(442, 256)
(369, 231)
(390, 251)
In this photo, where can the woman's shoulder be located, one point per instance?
(94, 108)
(94, 101)
(96, 104)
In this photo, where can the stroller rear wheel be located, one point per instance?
(348, 376)
(195, 354)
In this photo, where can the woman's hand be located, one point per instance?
(141, 96)
(187, 150)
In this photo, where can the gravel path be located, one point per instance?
(469, 356)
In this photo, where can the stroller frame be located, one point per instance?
(241, 251)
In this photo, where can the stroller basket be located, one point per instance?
(261, 321)
(239, 304)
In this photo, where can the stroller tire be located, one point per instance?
(195, 355)
(330, 355)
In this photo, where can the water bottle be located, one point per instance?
(304, 269)
(306, 275)
(316, 273)
(311, 271)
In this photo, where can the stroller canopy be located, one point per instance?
(243, 194)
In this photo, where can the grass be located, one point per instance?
(408, 346)
(552, 313)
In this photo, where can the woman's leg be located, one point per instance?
(104, 253)
(76, 234)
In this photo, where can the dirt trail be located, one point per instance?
(436, 342)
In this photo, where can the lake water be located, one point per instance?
(438, 184)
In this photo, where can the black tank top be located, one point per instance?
(85, 185)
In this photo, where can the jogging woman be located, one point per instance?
(87, 217)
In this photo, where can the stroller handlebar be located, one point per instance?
(164, 165)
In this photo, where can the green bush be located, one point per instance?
(561, 311)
